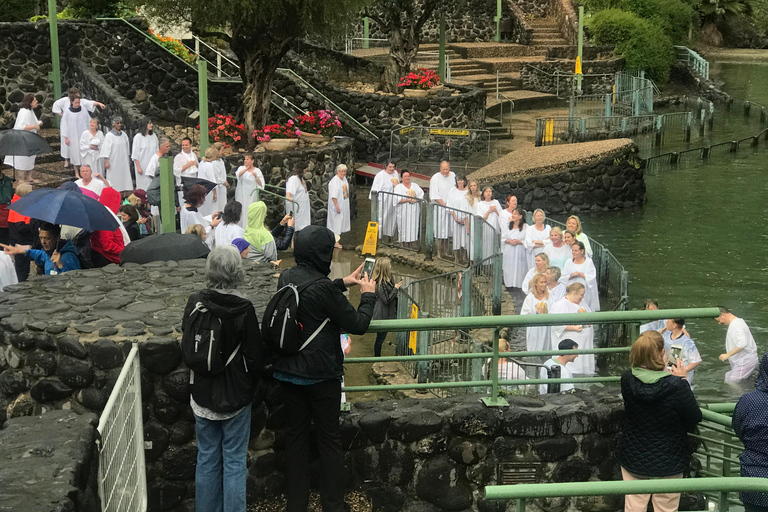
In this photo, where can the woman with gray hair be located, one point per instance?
(338, 202)
(116, 152)
(222, 401)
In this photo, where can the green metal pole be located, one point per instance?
(55, 75)
(202, 92)
(366, 32)
(441, 64)
(497, 19)
(580, 46)
(167, 193)
(495, 400)
(429, 232)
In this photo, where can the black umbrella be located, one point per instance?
(22, 143)
(165, 247)
(60, 206)
(188, 183)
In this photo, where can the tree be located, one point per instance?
(259, 32)
(714, 12)
(401, 21)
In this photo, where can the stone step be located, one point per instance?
(504, 64)
(491, 49)
(492, 123)
(547, 42)
(469, 71)
(543, 22)
(546, 30)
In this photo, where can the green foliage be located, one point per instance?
(713, 11)
(67, 13)
(16, 10)
(674, 16)
(643, 44)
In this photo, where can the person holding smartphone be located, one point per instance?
(675, 336)
(386, 298)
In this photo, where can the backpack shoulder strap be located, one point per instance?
(307, 284)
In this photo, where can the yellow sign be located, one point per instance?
(578, 66)
(403, 131)
(413, 334)
(371, 238)
(549, 130)
(449, 131)
(613, 93)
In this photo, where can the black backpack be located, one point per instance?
(201, 343)
(280, 327)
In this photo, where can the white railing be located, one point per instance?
(691, 58)
(364, 43)
(122, 474)
(220, 58)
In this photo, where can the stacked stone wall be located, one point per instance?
(541, 76)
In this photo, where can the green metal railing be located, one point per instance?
(692, 59)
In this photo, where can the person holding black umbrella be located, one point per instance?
(56, 257)
(25, 120)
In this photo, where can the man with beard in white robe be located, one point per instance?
(385, 181)
(74, 122)
(145, 144)
(116, 151)
(338, 202)
(409, 196)
(184, 164)
(61, 105)
(439, 187)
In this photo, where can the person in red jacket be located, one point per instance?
(107, 245)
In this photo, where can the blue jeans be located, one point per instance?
(222, 449)
(380, 337)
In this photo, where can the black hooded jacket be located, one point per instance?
(322, 359)
(659, 416)
(235, 387)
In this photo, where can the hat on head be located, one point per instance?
(241, 244)
(141, 194)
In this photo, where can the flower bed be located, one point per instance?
(276, 131)
(174, 46)
(423, 79)
(319, 122)
(225, 129)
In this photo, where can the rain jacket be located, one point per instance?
(323, 358)
(109, 243)
(235, 387)
(660, 410)
(750, 421)
(68, 254)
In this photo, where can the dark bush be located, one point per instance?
(16, 10)
(674, 16)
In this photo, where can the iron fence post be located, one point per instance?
(495, 400)
(520, 506)
(572, 107)
(607, 104)
(659, 129)
(401, 338)
(167, 196)
(688, 121)
(539, 139)
(422, 348)
(202, 92)
(375, 206)
(138, 423)
(497, 278)
(479, 236)
(429, 231)
(723, 504)
(747, 108)
(466, 293)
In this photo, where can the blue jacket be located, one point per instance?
(750, 421)
(68, 254)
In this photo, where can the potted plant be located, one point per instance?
(225, 129)
(277, 137)
(419, 83)
(317, 125)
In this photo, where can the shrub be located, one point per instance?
(276, 131)
(423, 79)
(674, 16)
(321, 122)
(225, 129)
(16, 10)
(174, 46)
(642, 43)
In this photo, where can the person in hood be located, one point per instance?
(750, 422)
(265, 243)
(310, 381)
(107, 245)
(222, 402)
(660, 411)
(56, 257)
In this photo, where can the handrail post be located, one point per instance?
(497, 279)
(167, 195)
(479, 232)
(441, 55)
(495, 400)
(375, 207)
(202, 91)
(520, 506)
(723, 504)
(55, 74)
(429, 231)
(366, 32)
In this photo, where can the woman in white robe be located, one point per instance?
(25, 120)
(385, 181)
(208, 170)
(229, 229)
(296, 190)
(489, 209)
(90, 147)
(457, 201)
(537, 235)
(580, 269)
(473, 200)
(222, 185)
(515, 262)
(190, 213)
(582, 334)
(574, 224)
(116, 151)
(538, 302)
(145, 144)
(338, 202)
(249, 179)
(541, 264)
(408, 200)
(557, 251)
(74, 121)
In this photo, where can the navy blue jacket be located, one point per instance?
(750, 421)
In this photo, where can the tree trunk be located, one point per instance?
(258, 73)
(401, 53)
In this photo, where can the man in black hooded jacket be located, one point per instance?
(311, 380)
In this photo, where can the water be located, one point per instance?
(701, 239)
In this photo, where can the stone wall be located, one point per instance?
(570, 178)
(541, 76)
(320, 162)
(50, 463)
(709, 89)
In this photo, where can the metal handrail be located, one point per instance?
(219, 56)
(692, 58)
(296, 110)
(337, 108)
(348, 45)
(259, 191)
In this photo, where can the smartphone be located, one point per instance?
(675, 353)
(290, 213)
(368, 267)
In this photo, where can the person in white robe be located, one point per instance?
(409, 198)
(229, 229)
(190, 214)
(145, 144)
(555, 249)
(580, 269)
(296, 190)
(489, 209)
(185, 164)
(556, 288)
(537, 235)
(8, 275)
(440, 184)
(208, 170)
(461, 217)
(537, 302)
(60, 106)
(90, 147)
(385, 181)
(74, 122)
(653, 325)
(541, 264)
(574, 224)
(222, 185)
(515, 257)
(509, 370)
(338, 202)
(89, 180)
(153, 169)
(473, 198)
(25, 120)
(740, 346)
(249, 179)
(562, 362)
(116, 152)
(582, 334)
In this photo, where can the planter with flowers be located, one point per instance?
(225, 129)
(278, 137)
(317, 126)
(419, 83)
